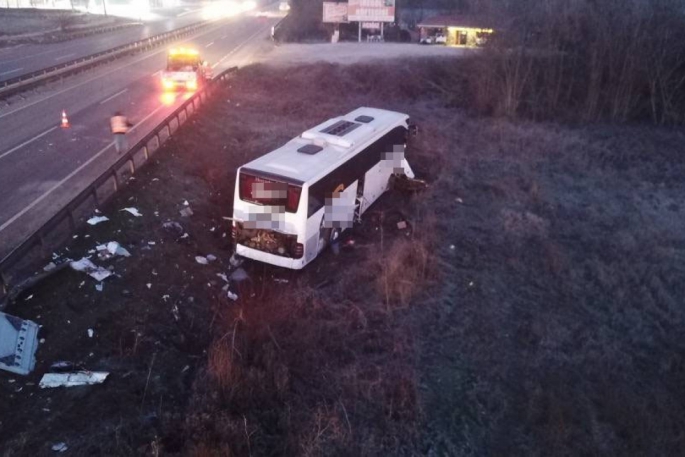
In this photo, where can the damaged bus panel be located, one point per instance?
(293, 202)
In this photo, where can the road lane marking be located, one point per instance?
(187, 12)
(236, 48)
(65, 56)
(113, 96)
(205, 46)
(11, 71)
(69, 176)
(6, 153)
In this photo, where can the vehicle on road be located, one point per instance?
(185, 69)
(294, 201)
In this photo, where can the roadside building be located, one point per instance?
(454, 31)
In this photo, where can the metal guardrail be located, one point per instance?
(58, 230)
(29, 80)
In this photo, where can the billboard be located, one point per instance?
(371, 10)
(335, 12)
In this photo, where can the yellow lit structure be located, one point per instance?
(454, 31)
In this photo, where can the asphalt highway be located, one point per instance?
(43, 166)
(22, 59)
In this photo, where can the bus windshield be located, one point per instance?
(269, 192)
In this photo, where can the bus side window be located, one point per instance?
(314, 205)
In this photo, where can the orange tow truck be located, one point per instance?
(185, 69)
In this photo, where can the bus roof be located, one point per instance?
(337, 139)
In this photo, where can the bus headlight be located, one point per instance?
(167, 84)
(191, 85)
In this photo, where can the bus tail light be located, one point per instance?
(299, 251)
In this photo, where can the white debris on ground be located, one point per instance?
(79, 378)
(201, 260)
(95, 220)
(133, 211)
(88, 267)
(111, 249)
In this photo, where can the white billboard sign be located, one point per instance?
(335, 12)
(371, 10)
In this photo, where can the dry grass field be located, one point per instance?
(533, 307)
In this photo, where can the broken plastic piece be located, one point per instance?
(211, 257)
(60, 447)
(95, 220)
(133, 211)
(90, 269)
(79, 378)
(50, 266)
(239, 275)
(186, 212)
(99, 287)
(402, 225)
(90, 333)
(201, 260)
(232, 296)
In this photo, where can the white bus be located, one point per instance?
(294, 201)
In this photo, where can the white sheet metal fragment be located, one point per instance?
(18, 344)
(133, 211)
(95, 220)
(79, 378)
(91, 269)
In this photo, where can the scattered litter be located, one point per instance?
(222, 276)
(402, 225)
(155, 179)
(83, 283)
(50, 266)
(239, 275)
(154, 272)
(235, 261)
(79, 378)
(227, 218)
(156, 213)
(185, 368)
(133, 211)
(232, 296)
(186, 212)
(452, 246)
(201, 260)
(185, 203)
(471, 284)
(42, 340)
(211, 257)
(28, 298)
(107, 251)
(75, 236)
(459, 200)
(60, 447)
(99, 287)
(151, 243)
(176, 313)
(185, 235)
(149, 285)
(173, 226)
(95, 220)
(90, 269)
(165, 297)
(97, 211)
(92, 251)
(282, 281)
(62, 366)
(90, 333)
(212, 229)
(18, 344)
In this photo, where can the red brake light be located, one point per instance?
(293, 200)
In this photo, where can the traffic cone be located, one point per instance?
(65, 121)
